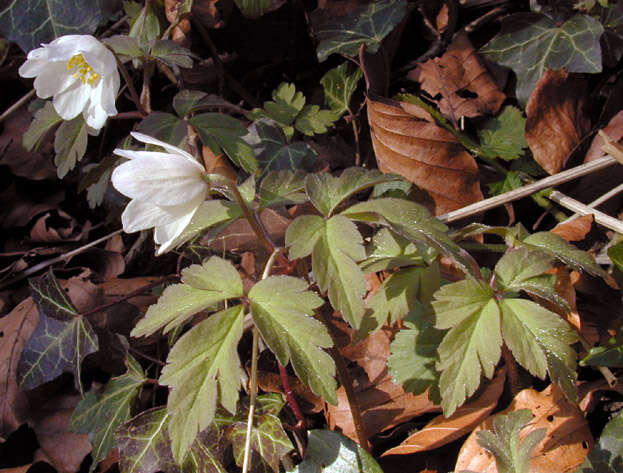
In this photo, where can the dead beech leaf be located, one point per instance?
(210, 13)
(576, 229)
(441, 430)
(58, 227)
(614, 130)
(15, 329)
(465, 87)
(555, 120)
(19, 469)
(171, 11)
(217, 164)
(407, 141)
(567, 440)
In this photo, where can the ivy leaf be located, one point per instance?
(504, 136)
(287, 103)
(369, 26)
(70, 144)
(268, 439)
(165, 127)
(218, 130)
(201, 364)
(530, 44)
(99, 414)
(331, 452)
(413, 355)
(50, 298)
(339, 87)
(282, 188)
(326, 192)
(540, 341)
(511, 455)
(607, 455)
(282, 308)
(45, 119)
(276, 154)
(610, 355)
(389, 250)
(313, 121)
(473, 344)
(612, 41)
(30, 23)
(202, 286)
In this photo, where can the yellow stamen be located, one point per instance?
(84, 71)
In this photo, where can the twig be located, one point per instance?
(128, 81)
(529, 189)
(600, 200)
(147, 357)
(64, 257)
(583, 209)
(17, 105)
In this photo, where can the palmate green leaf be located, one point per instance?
(369, 26)
(45, 119)
(282, 309)
(145, 27)
(540, 341)
(287, 103)
(268, 439)
(171, 53)
(610, 354)
(331, 452)
(504, 136)
(473, 344)
(531, 43)
(313, 121)
(282, 188)
(326, 192)
(303, 234)
(615, 253)
(100, 413)
(70, 144)
(389, 250)
(29, 23)
(202, 286)
(339, 87)
(607, 455)
(165, 127)
(511, 455)
(219, 131)
(201, 364)
(276, 154)
(510, 182)
(414, 353)
(125, 47)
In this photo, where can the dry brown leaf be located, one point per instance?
(171, 11)
(442, 18)
(217, 164)
(576, 229)
(211, 13)
(566, 443)
(103, 264)
(21, 204)
(58, 227)
(614, 130)
(465, 87)
(555, 120)
(15, 330)
(19, 469)
(407, 141)
(443, 430)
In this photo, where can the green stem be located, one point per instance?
(128, 81)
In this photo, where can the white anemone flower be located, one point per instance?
(166, 190)
(80, 73)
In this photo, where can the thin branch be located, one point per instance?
(578, 207)
(17, 105)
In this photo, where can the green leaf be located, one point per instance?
(473, 344)
(413, 355)
(313, 121)
(607, 455)
(99, 414)
(282, 309)
(45, 119)
(97, 190)
(268, 439)
(331, 452)
(611, 19)
(540, 341)
(126, 47)
(610, 355)
(202, 286)
(369, 26)
(165, 127)
(187, 101)
(255, 8)
(326, 191)
(504, 136)
(530, 44)
(283, 109)
(276, 154)
(70, 144)
(50, 298)
(389, 250)
(201, 364)
(518, 265)
(29, 23)
(303, 234)
(171, 53)
(554, 245)
(615, 253)
(146, 27)
(511, 455)
(217, 131)
(339, 87)
(282, 188)
(510, 182)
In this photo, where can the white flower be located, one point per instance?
(81, 74)
(166, 190)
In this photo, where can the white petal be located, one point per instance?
(35, 63)
(169, 180)
(65, 47)
(70, 103)
(94, 113)
(165, 235)
(54, 78)
(139, 215)
(100, 58)
(170, 148)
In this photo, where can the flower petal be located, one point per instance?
(140, 215)
(54, 78)
(163, 180)
(165, 235)
(170, 148)
(69, 103)
(35, 63)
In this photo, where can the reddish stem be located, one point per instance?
(290, 396)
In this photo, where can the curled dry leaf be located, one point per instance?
(443, 430)
(407, 141)
(614, 130)
(461, 81)
(567, 440)
(172, 12)
(555, 120)
(576, 229)
(58, 227)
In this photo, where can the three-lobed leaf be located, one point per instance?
(505, 135)
(45, 119)
(70, 144)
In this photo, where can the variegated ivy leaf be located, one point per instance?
(339, 87)
(282, 309)
(472, 347)
(336, 246)
(202, 287)
(203, 366)
(100, 413)
(540, 341)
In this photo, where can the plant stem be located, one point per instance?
(513, 374)
(290, 396)
(17, 105)
(129, 83)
